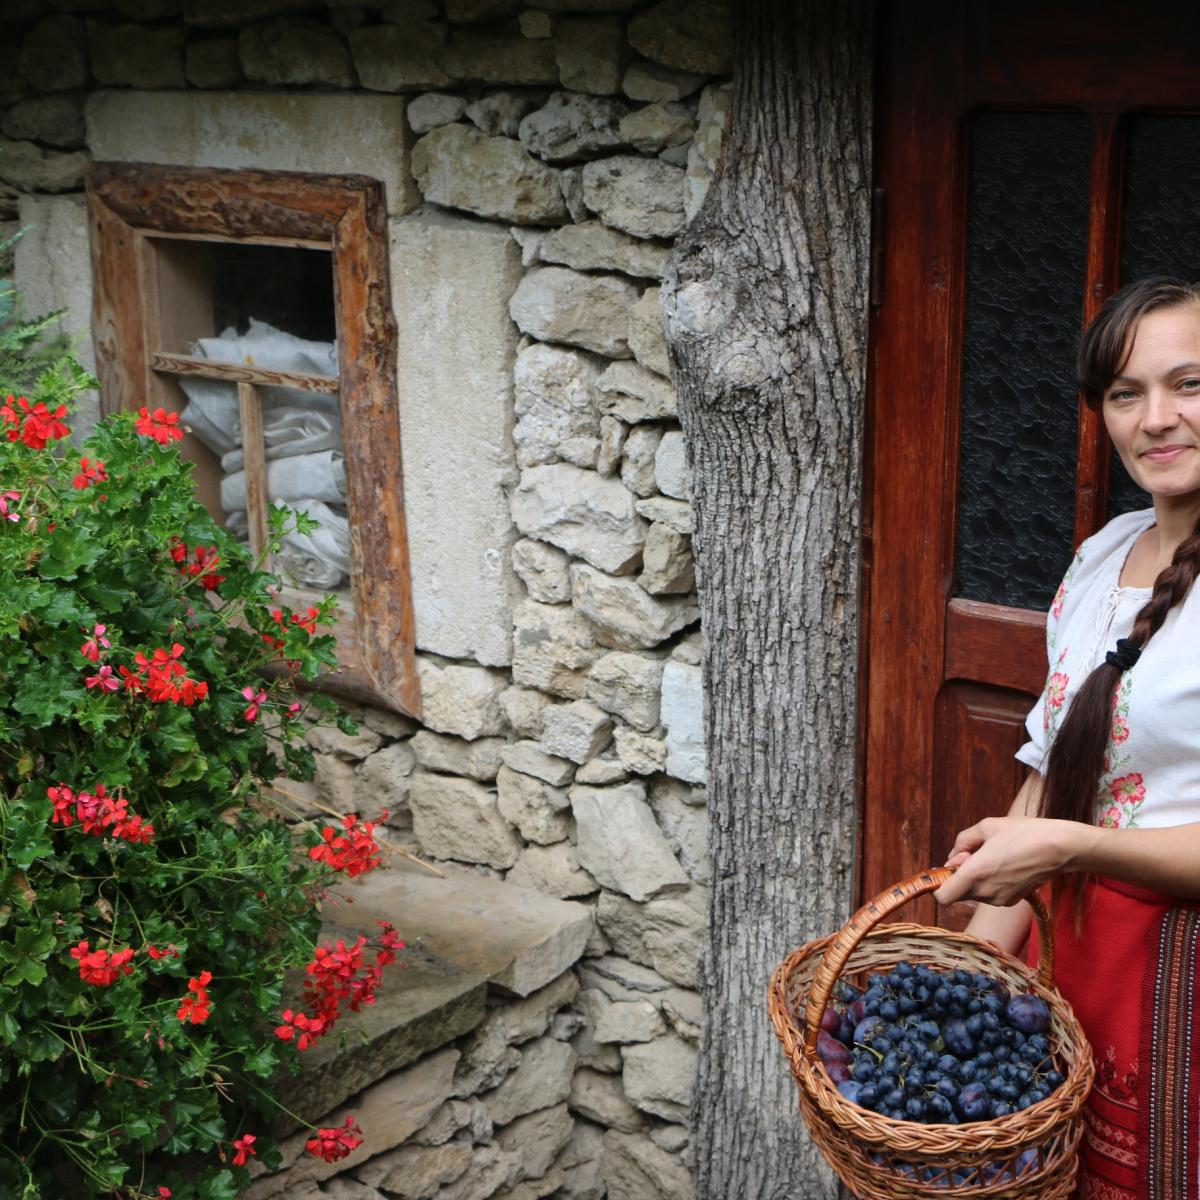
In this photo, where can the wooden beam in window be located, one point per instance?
(250, 411)
(207, 368)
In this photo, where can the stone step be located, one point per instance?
(464, 933)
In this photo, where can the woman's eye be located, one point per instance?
(1190, 384)
(1121, 395)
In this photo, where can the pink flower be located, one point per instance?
(5, 511)
(256, 699)
(1110, 818)
(91, 648)
(103, 679)
(1128, 789)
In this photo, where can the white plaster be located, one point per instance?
(53, 270)
(341, 134)
(451, 281)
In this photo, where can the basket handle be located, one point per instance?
(846, 941)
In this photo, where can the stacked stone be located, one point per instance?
(573, 765)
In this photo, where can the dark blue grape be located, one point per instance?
(993, 1005)
(942, 995)
(974, 1024)
(985, 1059)
(868, 1095)
(903, 970)
(868, 1029)
(1008, 1091)
(845, 1031)
(966, 1070)
(974, 1103)
(907, 1005)
(958, 1038)
(915, 1079)
(894, 1098)
(850, 993)
(1002, 1052)
(948, 1088)
(1029, 1014)
(1027, 1161)
(960, 994)
(850, 1090)
(914, 1108)
(863, 1070)
(889, 1010)
(1024, 1100)
(929, 1031)
(939, 1107)
(886, 1083)
(1001, 1108)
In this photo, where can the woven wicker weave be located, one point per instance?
(881, 1159)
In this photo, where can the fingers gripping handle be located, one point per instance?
(874, 911)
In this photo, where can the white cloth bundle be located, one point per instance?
(303, 477)
(212, 410)
(320, 559)
(292, 431)
(302, 441)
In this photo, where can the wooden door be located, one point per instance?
(1031, 158)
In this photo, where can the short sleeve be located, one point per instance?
(1033, 752)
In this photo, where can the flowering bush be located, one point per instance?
(148, 907)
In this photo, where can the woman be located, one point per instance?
(1111, 809)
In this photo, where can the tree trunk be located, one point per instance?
(765, 307)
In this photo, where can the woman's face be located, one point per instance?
(1152, 408)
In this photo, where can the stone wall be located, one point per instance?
(546, 158)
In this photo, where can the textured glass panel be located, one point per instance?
(1161, 229)
(1026, 244)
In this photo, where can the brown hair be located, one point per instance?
(1076, 762)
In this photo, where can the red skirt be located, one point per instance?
(1132, 975)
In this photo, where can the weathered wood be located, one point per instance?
(207, 368)
(765, 308)
(346, 214)
(371, 427)
(227, 205)
(118, 327)
(250, 412)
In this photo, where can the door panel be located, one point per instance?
(1031, 157)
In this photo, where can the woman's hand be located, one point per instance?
(1001, 860)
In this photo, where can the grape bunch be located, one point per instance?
(941, 1048)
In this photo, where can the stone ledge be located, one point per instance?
(464, 934)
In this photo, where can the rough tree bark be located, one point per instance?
(765, 307)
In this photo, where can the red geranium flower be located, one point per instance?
(36, 424)
(89, 473)
(160, 425)
(99, 967)
(332, 1144)
(245, 1148)
(197, 1007)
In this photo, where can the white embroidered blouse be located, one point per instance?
(1152, 766)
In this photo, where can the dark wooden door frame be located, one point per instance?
(939, 60)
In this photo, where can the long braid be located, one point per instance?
(1077, 756)
(1076, 763)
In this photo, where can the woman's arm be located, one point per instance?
(1004, 858)
(1008, 927)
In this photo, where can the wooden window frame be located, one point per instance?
(133, 205)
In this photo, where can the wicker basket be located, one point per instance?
(882, 1159)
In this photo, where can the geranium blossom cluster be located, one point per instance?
(338, 977)
(89, 472)
(307, 622)
(354, 852)
(332, 1144)
(203, 564)
(101, 968)
(160, 425)
(35, 425)
(196, 1006)
(99, 813)
(163, 678)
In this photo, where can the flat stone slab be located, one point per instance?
(464, 933)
